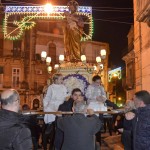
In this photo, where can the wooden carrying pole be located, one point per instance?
(67, 113)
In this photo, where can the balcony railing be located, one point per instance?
(143, 10)
(15, 54)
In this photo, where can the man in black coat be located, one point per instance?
(79, 130)
(141, 121)
(76, 95)
(13, 134)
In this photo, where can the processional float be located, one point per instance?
(20, 18)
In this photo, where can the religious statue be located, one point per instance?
(73, 26)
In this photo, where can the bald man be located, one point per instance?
(13, 134)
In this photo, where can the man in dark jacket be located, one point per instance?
(13, 134)
(76, 95)
(141, 121)
(79, 130)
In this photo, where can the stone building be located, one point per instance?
(138, 53)
(142, 44)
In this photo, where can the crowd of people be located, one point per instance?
(78, 131)
(55, 98)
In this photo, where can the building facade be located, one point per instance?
(142, 44)
(129, 58)
(138, 53)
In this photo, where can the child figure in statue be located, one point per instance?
(96, 95)
(73, 26)
(56, 95)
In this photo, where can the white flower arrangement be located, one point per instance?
(72, 82)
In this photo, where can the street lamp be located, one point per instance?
(119, 98)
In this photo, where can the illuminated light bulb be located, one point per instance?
(61, 58)
(56, 66)
(95, 68)
(83, 58)
(103, 53)
(115, 75)
(48, 60)
(48, 8)
(43, 55)
(49, 69)
(98, 59)
(101, 66)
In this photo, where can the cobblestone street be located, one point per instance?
(109, 142)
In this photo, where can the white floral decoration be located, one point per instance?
(74, 82)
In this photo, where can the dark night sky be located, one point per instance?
(105, 31)
(113, 33)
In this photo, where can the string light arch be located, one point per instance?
(28, 14)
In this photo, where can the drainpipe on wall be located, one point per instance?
(140, 36)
